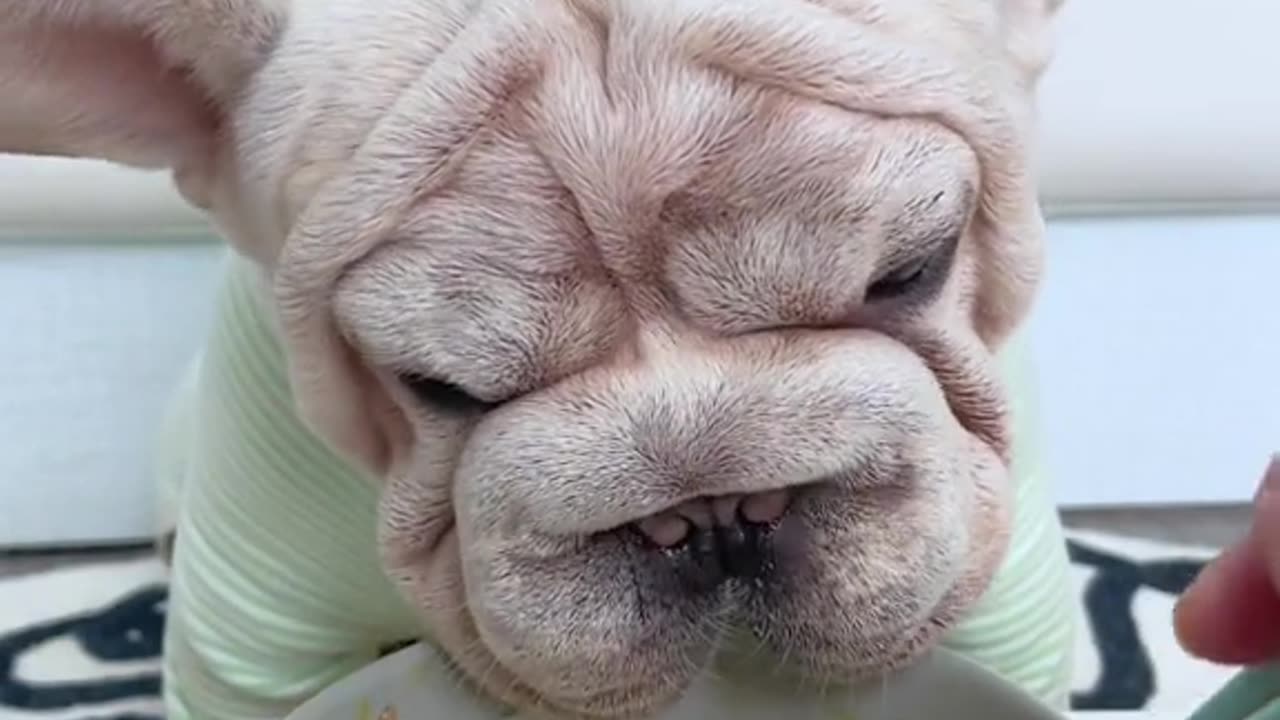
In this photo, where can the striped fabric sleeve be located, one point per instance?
(276, 589)
(1024, 628)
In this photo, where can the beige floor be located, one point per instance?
(1206, 526)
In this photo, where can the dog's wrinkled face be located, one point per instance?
(748, 415)
(669, 330)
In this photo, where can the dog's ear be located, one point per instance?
(144, 83)
(1028, 30)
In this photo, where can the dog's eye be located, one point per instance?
(445, 395)
(917, 275)
(899, 281)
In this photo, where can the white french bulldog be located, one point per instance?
(656, 320)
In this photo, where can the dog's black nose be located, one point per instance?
(713, 540)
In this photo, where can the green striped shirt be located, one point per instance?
(277, 590)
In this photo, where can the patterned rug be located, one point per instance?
(83, 643)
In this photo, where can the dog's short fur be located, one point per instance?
(672, 249)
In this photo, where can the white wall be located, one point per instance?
(1159, 347)
(94, 340)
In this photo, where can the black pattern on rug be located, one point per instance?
(131, 629)
(1128, 677)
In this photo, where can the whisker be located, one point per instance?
(884, 694)
(780, 666)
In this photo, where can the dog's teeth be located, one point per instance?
(725, 509)
(697, 511)
(665, 530)
(765, 507)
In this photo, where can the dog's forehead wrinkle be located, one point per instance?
(611, 233)
(622, 155)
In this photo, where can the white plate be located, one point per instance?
(414, 684)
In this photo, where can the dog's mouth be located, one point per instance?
(710, 540)
(824, 583)
(686, 522)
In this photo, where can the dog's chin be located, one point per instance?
(610, 640)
